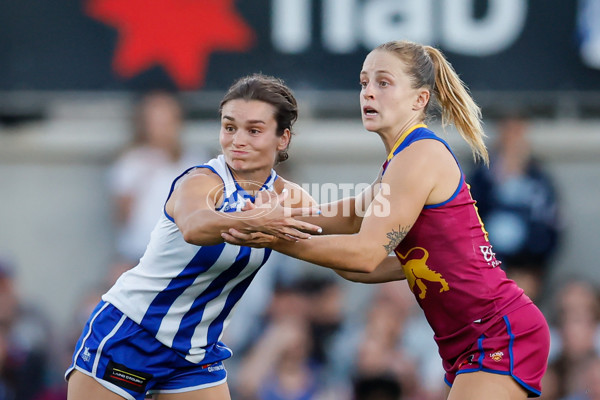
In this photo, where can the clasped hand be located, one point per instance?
(275, 222)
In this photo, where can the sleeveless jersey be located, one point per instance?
(450, 266)
(183, 294)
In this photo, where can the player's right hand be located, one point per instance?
(279, 221)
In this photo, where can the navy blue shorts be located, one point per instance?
(127, 360)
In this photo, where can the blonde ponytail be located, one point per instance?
(428, 68)
(457, 105)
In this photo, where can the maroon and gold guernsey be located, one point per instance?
(451, 268)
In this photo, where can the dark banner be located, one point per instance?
(107, 45)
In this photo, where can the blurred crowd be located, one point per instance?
(314, 337)
(302, 332)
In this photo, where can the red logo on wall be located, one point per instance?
(179, 35)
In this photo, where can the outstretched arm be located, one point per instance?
(406, 187)
(343, 216)
(404, 191)
(192, 206)
(388, 270)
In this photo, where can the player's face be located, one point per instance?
(387, 98)
(248, 136)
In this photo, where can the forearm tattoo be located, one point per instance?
(395, 237)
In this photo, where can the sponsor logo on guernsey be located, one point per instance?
(497, 356)
(418, 273)
(489, 256)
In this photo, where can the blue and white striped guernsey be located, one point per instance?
(184, 294)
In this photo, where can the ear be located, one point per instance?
(422, 100)
(284, 140)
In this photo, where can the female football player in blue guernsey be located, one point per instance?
(158, 329)
(493, 340)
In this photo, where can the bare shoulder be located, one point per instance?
(434, 163)
(197, 183)
(430, 149)
(427, 169)
(426, 156)
(200, 176)
(298, 196)
(437, 157)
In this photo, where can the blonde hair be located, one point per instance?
(428, 68)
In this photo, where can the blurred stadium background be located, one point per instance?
(71, 71)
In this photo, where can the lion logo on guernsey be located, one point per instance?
(417, 272)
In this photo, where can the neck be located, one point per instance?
(389, 140)
(251, 181)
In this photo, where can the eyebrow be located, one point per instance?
(379, 71)
(252, 121)
(256, 121)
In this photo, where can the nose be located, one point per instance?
(238, 139)
(367, 92)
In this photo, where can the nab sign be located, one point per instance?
(193, 45)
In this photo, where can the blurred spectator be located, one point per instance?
(575, 335)
(53, 392)
(577, 346)
(141, 177)
(7, 391)
(587, 381)
(550, 385)
(588, 31)
(577, 298)
(381, 353)
(518, 204)
(278, 273)
(278, 366)
(325, 313)
(377, 388)
(389, 340)
(24, 342)
(56, 388)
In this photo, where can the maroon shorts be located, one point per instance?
(516, 345)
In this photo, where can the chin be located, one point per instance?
(370, 126)
(237, 165)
